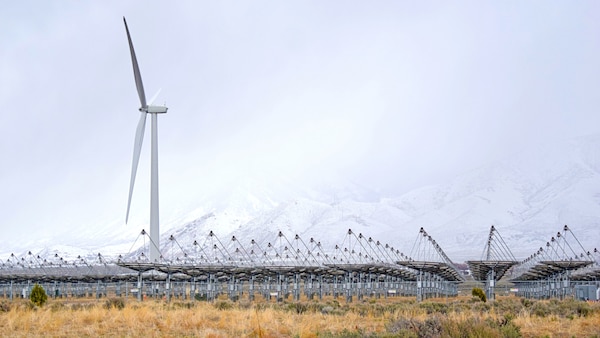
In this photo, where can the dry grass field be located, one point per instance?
(395, 317)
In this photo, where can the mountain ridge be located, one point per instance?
(528, 197)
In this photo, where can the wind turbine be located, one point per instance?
(146, 109)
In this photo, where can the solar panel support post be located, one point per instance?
(420, 278)
(140, 284)
(360, 289)
(320, 286)
(490, 284)
(296, 286)
(210, 292)
(251, 288)
(566, 284)
(266, 288)
(232, 288)
(348, 287)
(279, 288)
(193, 288)
(386, 286)
(168, 287)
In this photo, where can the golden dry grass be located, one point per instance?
(329, 317)
(558, 326)
(156, 318)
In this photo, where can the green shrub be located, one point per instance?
(478, 292)
(510, 331)
(404, 327)
(4, 306)
(567, 308)
(432, 307)
(38, 295)
(431, 327)
(471, 327)
(353, 334)
(80, 306)
(408, 327)
(327, 309)
(244, 303)
(438, 324)
(298, 308)
(583, 309)
(224, 304)
(526, 302)
(481, 307)
(317, 307)
(541, 309)
(508, 305)
(54, 307)
(201, 297)
(115, 303)
(507, 328)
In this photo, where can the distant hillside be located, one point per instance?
(528, 197)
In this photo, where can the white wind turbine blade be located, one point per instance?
(136, 70)
(137, 148)
(151, 102)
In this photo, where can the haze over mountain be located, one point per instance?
(274, 106)
(528, 197)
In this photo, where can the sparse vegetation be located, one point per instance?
(393, 317)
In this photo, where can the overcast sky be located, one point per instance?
(389, 94)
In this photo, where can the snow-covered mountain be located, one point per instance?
(528, 197)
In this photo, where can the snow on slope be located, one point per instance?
(253, 213)
(528, 197)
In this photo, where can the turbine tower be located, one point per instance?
(153, 110)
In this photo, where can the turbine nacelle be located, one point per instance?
(154, 109)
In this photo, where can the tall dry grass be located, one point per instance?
(398, 317)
